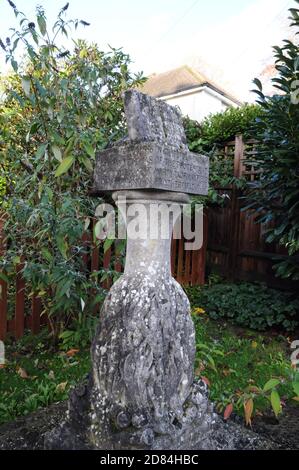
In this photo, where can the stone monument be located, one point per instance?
(141, 393)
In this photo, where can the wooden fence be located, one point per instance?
(236, 244)
(19, 311)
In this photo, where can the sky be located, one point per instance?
(228, 40)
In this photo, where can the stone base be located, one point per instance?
(141, 393)
(199, 431)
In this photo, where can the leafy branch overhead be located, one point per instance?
(61, 105)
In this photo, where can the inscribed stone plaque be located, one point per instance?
(155, 156)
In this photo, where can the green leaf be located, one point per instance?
(108, 243)
(14, 65)
(4, 277)
(89, 150)
(296, 387)
(40, 151)
(46, 254)
(258, 83)
(202, 346)
(62, 246)
(88, 165)
(275, 402)
(271, 384)
(42, 24)
(64, 165)
(57, 152)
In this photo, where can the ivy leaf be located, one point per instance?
(275, 402)
(64, 165)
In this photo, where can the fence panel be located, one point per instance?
(187, 267)
(236, 244)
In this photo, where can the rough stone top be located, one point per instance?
(155, 156)
(152, 119)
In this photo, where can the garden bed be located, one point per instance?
(240, 366)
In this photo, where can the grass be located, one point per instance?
(238, 362)
(230, 359)
(35, 376)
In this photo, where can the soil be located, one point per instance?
(28, 432)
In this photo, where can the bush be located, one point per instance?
(221, 127)
(213, 132)
(274, 196)
(252, 305)
(60, 107)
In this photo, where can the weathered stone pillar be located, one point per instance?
(143, 355)
(141, 392)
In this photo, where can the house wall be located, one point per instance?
(199, 104)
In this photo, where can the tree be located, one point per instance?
(274, 196)
(60, 107)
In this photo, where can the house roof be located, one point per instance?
(178, 80)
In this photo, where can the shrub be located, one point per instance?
(208, 136)
(273, 197)
(221, 127)
(252, 305)
(60, 107)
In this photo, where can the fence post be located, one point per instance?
(235, 210)
(20, 302)
(3, 309)
(36, 313)
(238, 156)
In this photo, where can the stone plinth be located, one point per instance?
(154, 156)
(151, 165)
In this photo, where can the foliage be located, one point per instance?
(237, 364)
(274, 195)
(3, 181)
(34, 376)
(251, 305)
(60, 107)
(207, 137)
(80, 333)
(246, 373)
(219, 128)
